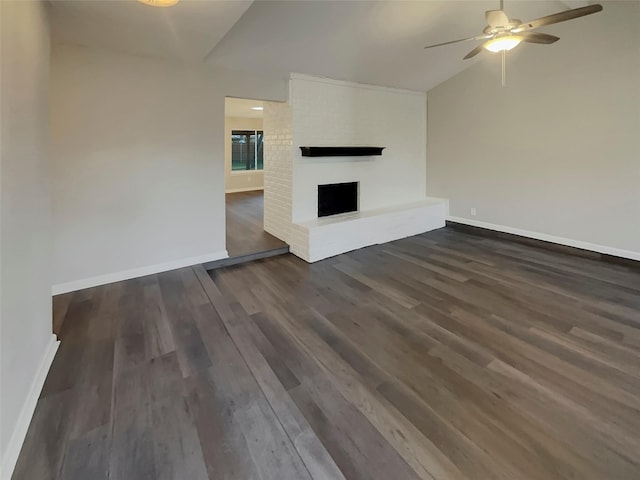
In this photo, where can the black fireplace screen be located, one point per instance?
(337, 198)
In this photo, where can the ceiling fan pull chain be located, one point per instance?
(504, 68)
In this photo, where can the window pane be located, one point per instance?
(242, 149)
(252, 151)
(260, 150)
(237, 152)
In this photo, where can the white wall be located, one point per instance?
(26, 343)
(138, 154)
(556, 153)
(327, 112)
(240, 181)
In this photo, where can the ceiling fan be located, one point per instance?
(502, 34)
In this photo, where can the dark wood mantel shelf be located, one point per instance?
(340, 151)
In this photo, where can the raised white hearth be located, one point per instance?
(329, 236)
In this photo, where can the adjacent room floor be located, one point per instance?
(440, 356)
(245, 232)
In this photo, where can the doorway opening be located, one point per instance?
(244, 183)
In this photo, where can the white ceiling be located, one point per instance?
(375, 42)
(188, 30)
(241, 107)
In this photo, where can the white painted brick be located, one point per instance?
(278, 170)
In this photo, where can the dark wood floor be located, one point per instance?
(245, 233)
(441, 356)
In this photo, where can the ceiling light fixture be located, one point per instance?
(257, 108)
(159, 3)
(501, 44)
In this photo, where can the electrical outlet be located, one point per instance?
(473, 212)
(248, 179)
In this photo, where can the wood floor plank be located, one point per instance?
(43, 450)
(87, 456)
(177, 449)
(244, 224)
(275, 379)
(132, 444)
(158, 335)
(223, 444)
(181, 305)
(60, 307)
(267, 440)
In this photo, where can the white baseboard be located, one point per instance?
(248, 189)
(135, 273)
(617, 252)
(29, 406)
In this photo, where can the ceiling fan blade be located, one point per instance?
(536, 37)
(473, 52)
(496, 18)
(477, 37)
(558, 17)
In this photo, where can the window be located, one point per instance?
(246, 150)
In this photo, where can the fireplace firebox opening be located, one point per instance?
(337, 198)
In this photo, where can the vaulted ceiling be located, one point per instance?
(376, 42)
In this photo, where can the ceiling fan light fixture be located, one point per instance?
(500, 44)
(159, 3)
